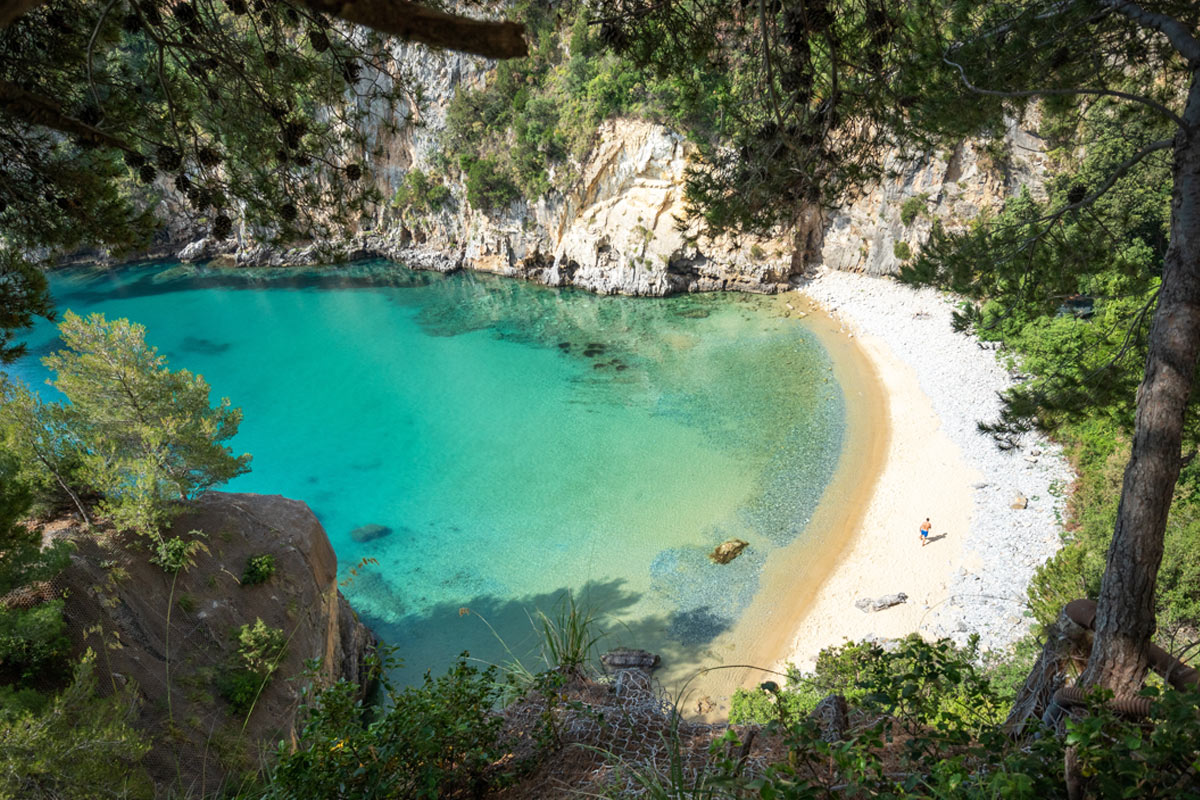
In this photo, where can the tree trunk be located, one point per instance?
(1125, 617)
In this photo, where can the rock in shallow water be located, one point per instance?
(728, 550)
(369, 533)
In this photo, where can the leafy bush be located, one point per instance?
(434, 741)
(929, 679)
(902, 251)
(259, 569)
(912, 208)
(80, 746)
(33, 643)
(260, 649)
(421, 193)
(488, 186)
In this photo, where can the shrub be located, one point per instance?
(259, 569)
(260, 648)
(438, 740)
(902, 251)
(488, 185)
(421, 193)
(79, 746)
(912, 208)
(33, 643)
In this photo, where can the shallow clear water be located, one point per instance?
(517, 440)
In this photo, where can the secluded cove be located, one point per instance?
(513, 441)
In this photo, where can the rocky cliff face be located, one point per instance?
(172, 638)
(616, 228)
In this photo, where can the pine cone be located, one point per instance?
(318, 40)
(168, 159)
(208, 156)
(222, 227)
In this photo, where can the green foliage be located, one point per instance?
(259, 569)
(260, 649)
(229, 108)
(78, 747)
(902, 251)
(568, 637)
(23, 295)
(33, 642)
(421, 193)
(44, 438)
(145, 436)
(437, 740)
(926, 681)
(176, 553)
(912, 208)
(1119, 759)
(488, 186)
(538, 114)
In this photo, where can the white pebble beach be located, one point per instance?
(939, 384)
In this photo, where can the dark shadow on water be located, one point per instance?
(697, 626)
(203, 346)
(431, 640)
(91, 286)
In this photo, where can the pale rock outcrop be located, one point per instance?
(617, 225)
(952, 188)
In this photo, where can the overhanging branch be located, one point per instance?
(425, 25)
(44, 112)
(1177, 33)
(1074, 90)
(406, 20)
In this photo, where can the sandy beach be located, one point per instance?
(937, 385)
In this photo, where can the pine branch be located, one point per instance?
(1177, 33)
(44, 112)
(421, 24)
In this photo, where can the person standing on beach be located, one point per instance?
(926, 527)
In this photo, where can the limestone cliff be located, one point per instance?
(615, 227)
(172, 639)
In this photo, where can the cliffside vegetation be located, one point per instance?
(793, 103)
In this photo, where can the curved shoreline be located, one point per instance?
(938, 384)
(794, 575)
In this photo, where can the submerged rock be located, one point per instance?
(868, 605)
(728, 550)
(369, 533)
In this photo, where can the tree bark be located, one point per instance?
(407, 20)
(1125, 619)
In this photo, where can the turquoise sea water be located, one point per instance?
(517, 440)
